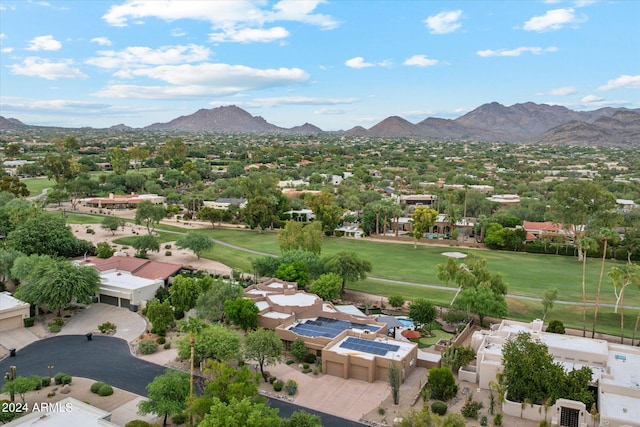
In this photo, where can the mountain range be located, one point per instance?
(528, 122)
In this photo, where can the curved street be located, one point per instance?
(108, 359)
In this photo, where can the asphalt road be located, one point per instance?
(108, 359)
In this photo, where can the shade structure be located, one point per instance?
(410, 334)
(392, 322)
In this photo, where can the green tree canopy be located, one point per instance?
(297, 236)
(167, 395)
(213, 342)
(160, 314)
(111, 223)
(184, 292)
(243, 412)
(149, 214)
(243, 312)
(348, 265)
(423, 219)
(423, 311)
(210, 303)
(144, 244)
(263, 346)
(327, 286)
(196, 242)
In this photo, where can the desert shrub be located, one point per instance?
(167, 345)
(544, 423)
(29, 321)
(167, 246)
(45, 381)
(95, 387)
(307, 370)
(37, 382)
(61, 378)
(442, 383)
(179, 419)
(105, 390)
(147, 346)
(137, 423)
(556, 326)
(439, 407)
(291, 386)
(483, 420)
(471, 409)
(298, 349)
(167, 253)
(161, 340)
(497, 420)
(277, 385)
(305, 366)
(107, 327)
(289, 361)
(178, 314)
(310, 358)
(272, 379)
(54, 327)
(454, 316)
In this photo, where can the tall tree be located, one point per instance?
(174, 149)
(259, 212)
(138, 155)
(588, 243)
(548, 300)
(215, 342)
(263, 346)
(349, 266)
(60, 167)
(210, 304)
(184, 292)
(196, 242)
(57, 283)
(607, 235)
(210, 214)
(327, 286)
(160, 314)
(143, 244)
(149, 214)
(298, 236)
(622, 277)
(245, 413)
(119, 160)
(111, 223)
(423, 311)
(576, 203)
(192, 327)
(12, 184)
(423, 219)
(167, 395)
(243, 312)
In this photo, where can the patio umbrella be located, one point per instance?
(392, 322)
(410, 334)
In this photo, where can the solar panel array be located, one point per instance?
(368, 346)
(328, 328)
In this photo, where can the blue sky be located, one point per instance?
(336, 64)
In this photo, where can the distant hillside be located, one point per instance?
(528, 122)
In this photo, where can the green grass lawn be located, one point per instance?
(78, 218)
(36, 185)
(162, 238)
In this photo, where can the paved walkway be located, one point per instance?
(16, 338)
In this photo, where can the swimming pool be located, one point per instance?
(407, 323)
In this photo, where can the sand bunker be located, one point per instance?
(454, 254)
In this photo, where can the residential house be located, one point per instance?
(12, 312)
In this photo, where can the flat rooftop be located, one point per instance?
(625, 368)
(329, 328)
(65, 413)
(378, 347)
(125, 280)
(298, 299)
(7, 301)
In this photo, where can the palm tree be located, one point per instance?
(606, 234)
(587, 243)
(193, 326)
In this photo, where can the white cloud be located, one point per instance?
(515, 52)
(563, 91)
(178, 32)
(444, 22)
(553, 20)
(3, 36)
(590, 99)
(202, 80)
(331, 111)
(301, 100)
(622, 82)
(6, 50)
(102, 41)
(39, 67)
(232, 21)
(44, 43)
(358, 62)
(139, 56)
(421, 61)
(250, 35)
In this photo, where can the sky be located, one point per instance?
(336, 63)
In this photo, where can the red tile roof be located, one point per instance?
(145, 268)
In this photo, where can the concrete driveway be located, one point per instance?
(129, 325)
(16, 338)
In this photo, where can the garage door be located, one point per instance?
(125, 303)
(11, 323)
(382, 374)
(359, 373)
(334, 369)
(108, 299)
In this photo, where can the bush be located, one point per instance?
(45, 381)
(178, 314)
(272, 379)
(442, 383)
(307, 370)
(147, 346)
(543, 423)
(471, 409)
(53, 327)
(167, 253)
(454, 316)
(167, 246)
(277, 385)
(298, 349)
(105, 390)
(137, 423)
(310, 358)
(289, 362)
(497, 420)
(179, 419)
(61, 378)
(161, 340)
(439, 407)
(167, 345)
(305, 366)
(291, 386)
(483, 421)
(556, 326)
(107, 327)
(95, 387)
(29, 321)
